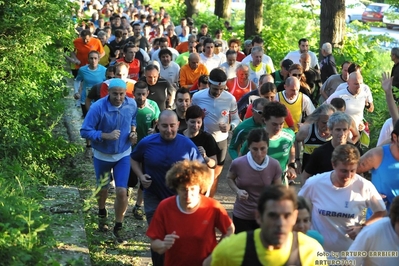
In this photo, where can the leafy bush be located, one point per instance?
(34, 35)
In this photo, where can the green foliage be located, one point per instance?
(23, 234)
(34, 35)
(284, 25)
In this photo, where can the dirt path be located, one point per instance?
(103, 250)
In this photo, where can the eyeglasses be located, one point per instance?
(109, 77)
(257, 111)
(124, 34)
(296, 75)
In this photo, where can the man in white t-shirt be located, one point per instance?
(256, 67)
(303, 45)
(258, 41)
(339, 198)
(208, 58)
(378, 244)
(169, 70)
(356, 99)
(221, 115)
(231, 64)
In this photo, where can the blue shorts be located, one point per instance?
(120, 168)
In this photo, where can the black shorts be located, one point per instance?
(221, 155)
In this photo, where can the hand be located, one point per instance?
(77, 62)
(353, 231)
(114, 135)
(386, 82)
(242, 194)
(224, 127)
(146, 180)
(202, 151)
(133, 137)
(361, 127)
(170, 239)
(151, 131)
(76, 96)
(291, 173)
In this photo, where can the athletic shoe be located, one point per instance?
(103, 223)
(138, 213)
(119, 236)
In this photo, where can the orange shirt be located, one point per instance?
(182, 47)
(189, 76)
(82, 49)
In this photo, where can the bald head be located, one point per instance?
(168, 125)
(355, 81)
(305, 61)
(193, 61)
(292, 86)
(168, 114)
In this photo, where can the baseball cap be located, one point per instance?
(117, 83)
(287, 63)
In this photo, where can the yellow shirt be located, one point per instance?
(230, 252)
(295, 109)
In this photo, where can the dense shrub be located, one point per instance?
(34, 35)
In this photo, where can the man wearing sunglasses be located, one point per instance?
(241, 132)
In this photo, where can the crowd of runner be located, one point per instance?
(163, 107)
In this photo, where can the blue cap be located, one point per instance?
(117, 83)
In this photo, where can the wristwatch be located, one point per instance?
(292, 165)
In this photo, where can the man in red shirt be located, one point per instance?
(129, 53)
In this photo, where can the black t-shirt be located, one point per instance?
(320, 160)
(183, 123)
(205, 140)
(159, 92)
(327, 68)
(115, 46)
(141, 42)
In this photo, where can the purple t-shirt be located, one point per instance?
(253, 182)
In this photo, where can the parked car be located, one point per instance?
(374, 12)
(391, 17)
(354, 10)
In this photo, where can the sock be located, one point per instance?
(102, 213)
(118, 226)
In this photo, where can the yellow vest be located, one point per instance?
(295, 109)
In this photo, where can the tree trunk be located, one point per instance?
(191, 7)
(253, 18)
(223, 8)
(332, 22)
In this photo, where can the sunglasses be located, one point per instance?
(109, 77)
(296, 75)
(259, 112)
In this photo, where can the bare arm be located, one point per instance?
(144, 178)
(355, 132)
(386, 83)
(370, 160)
(304, 176)
(299, 138)
(161, 246)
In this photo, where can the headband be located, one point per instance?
(217, 83)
